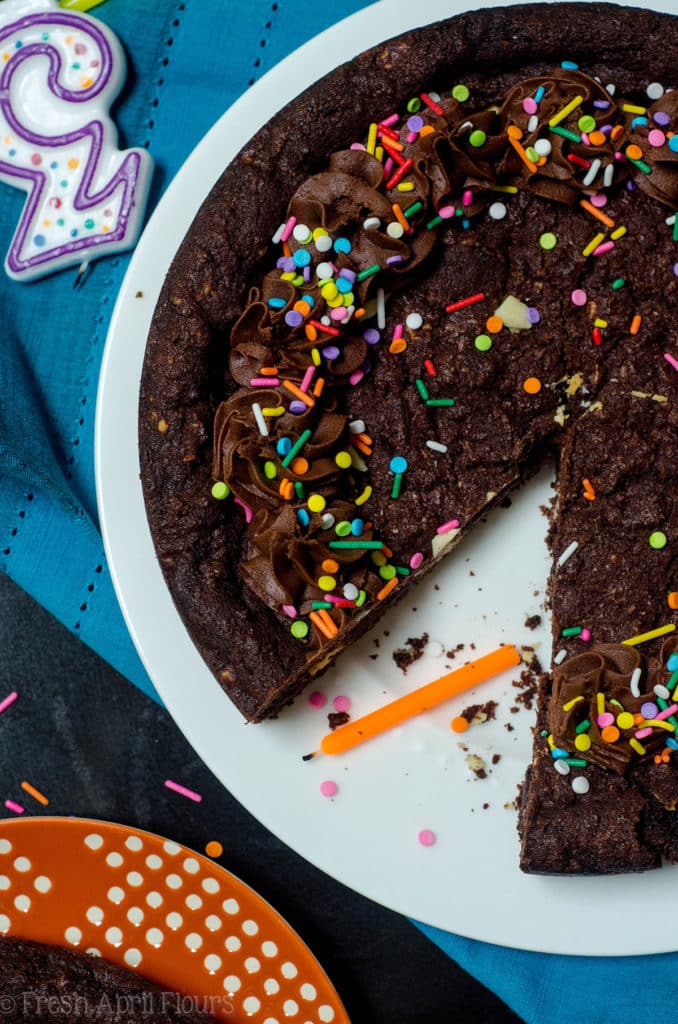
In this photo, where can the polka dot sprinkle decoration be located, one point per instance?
(151, 905)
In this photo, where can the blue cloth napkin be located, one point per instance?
(188, 62)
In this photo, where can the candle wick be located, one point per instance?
(83, 273)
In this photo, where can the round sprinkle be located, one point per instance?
(324, 270)
(610, 734)
(371, 335)
(532, 385)
(297, 407)
(548, 240)
(460, 93)
(530, 105)
(302, 258)
(398, 464)
(299, 466)
(580, 785)
(543, 147)
(578, 297)
(672, 663)
(586, 123)
(371, 223)
(343, 528)
(293, 317)
(214, 848)
(395, 229)
(317, 699)
(302, 233)
(602, 721)
(387, 572)
(316, 503)
(220, 490)
(483, 343)
(414, 321)
(655, 90)
(459, 724)
(533, 315)
(661, 691)
(343, 460)
(329, 565)
(585, 635)
(415, 123)
(673, 144)
(350, 591)
(634, 152)
(328, 521)
(342, 703)
(625, 720)
(477, 138)
(416, 560)
(413, 105)
(582, 742)
(299, 629)
(656, 138)
(497, 211)
(328, 788)
(661, 117)
(649, 709)
(327, 583)
(323, 243)
(342, 245)
(561, 767)
(426, 837)
(658, 540)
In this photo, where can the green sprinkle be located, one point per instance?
(368, 271)
(548, 241)
(397, 484)
(566, 133)
(434, 223)
(299, 490)
(270, 470)
(663, 704)
(357, 545)
(411, 210)
(460, 93)
(387, 572)
(360, 599)
(672, 681)
(582, 727)
(317, 605)
(402, 570)
(640, 164)
(477, 138)
(421, 388)
(296, 447)
(586, 123)
(414, 105)
(483, 342)
(544, 733)
(299, 629)
(616, 703)
(220, 490)
(618, 283)
(658, 540)
(343, 528)
(571, 631)
(575, 762)
(675, 227)
(532, 154)
(440, 403)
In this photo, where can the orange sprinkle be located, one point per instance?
(359, 313)
(617, 131)
(299, 465)
(318, 387)
(321, 624)
(589, 492)
(330, 624)
(387, 588)
(363, 437)
(286, 249)
(302, 307)
(329, 565)
(269, 371)
(387, 551)
(638, 719)
(595, 212)
(610, 734)
(673, 599)
(397, 346)
(514, 134)
(35, 793)
(86, 82)
(634, 152)
(214, 848)
(298, 393)
(400, 217)
(596, 138)
(361, 446)
(459, 724)
(389, 143)
(532, 385)
(494, 324)
(428, 129)
(311, 332)
(635, 324)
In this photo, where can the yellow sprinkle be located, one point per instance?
(288, 275)
(593, 244)
(638, 747)
(567, 109)
(315, 356)
(618, 232)
(631, 108)
(571, 703)
(278, 411)
(583, 742)
(550, 740)
(653, 633)
(659, 723)
(379, 153)
(405, 186)
(599, 323)
(511, 189)
(600, 703)
(365, 496)
(372, 138)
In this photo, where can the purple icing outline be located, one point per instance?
(128, 172)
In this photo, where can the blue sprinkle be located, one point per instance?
(558, 752)
(277, 303)
(302, 258)
(670, 742)
(672, 663)
(466, 224)
(303, 517)
(539, 95)
(309, 299)
(673, 143)
(569, 65)
(343, 284)
(342, 245)
(284, 445)
(638, 120)
(398, 464)
(39, 239)
(357, 527)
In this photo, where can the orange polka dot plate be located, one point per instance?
(160, 909)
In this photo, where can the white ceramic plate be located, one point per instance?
(415, 777)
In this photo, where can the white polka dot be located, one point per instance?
(271, 1020)
(288, 970)
(94, 915)
(5, 923)
(212, 962)
(232, 983)
(22, 864)
(135, 879)
(114, 860)
(210, 885)
(269, 948)
(307, 991)
(193, 901)
(174, 881)
(191, 866)
(114, 936)
(132, 957)
(290, 1008)
(271, 986)
(193, 941)
(233, 944)
(171, 848)
(414, 321)
(153, 861)
(135, 915)
(93, 951)
(133, 843)
(5, 846)
(154, 899)
(94, 841)
(72, 935)
(213, 923)
(250, 927)
(22, 903)
(251, 1005)
(4, 883)
(116, 894)
(154, 937)
(252, 965)
(325, 1013)
(42, 883)
(174, 920)
(231, 906)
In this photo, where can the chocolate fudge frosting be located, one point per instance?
(258, 515)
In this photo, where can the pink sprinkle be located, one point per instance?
(599, 200)
(530, 105)
(585, 635)
(411, 136)
(308, 377)
(416, 560)
(642, 733)
(183, 791)
(605, 719)
(356, 377)
(578, 297)
(667, 712)
(426, 837)
(357, 145)
(317, 699)
(288, 229)
(397, 332)
(446, 212)
(467, 197)
(340, 602)
(453, 524)
(671, 360)
(603, 248)
(8, 701)
(388, 167)
(338, 313)
(390, 120)
(11, 806)
(290, 610)
(656, 138)
(585, 139)
(265, 382)
(248, 511)
(342, 703)
(328, 788)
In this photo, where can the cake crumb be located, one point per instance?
(485, 806)
(476, 764)
(452, 653)
(496, 758)
(139, 295)
(476, 714)
(510, 806)
(532, 621)
(509, 727)
(411, 652)
(337, 718)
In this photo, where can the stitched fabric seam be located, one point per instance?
(256, 63)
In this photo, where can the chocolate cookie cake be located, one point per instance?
(41, 983)
(447, 261)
